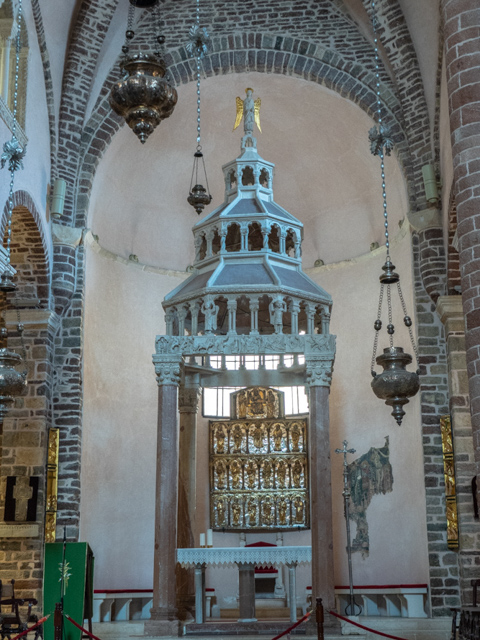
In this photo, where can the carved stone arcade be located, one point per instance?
(247, 296)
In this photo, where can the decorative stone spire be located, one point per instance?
(247, 274)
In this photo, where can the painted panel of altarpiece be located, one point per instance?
(258, 466)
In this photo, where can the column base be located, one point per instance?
(163, 623)
(186, 607)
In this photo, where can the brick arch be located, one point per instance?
(345, 78)
(23, 199)
(395, 39)
(29, 254)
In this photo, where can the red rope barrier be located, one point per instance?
(79, 627)
(307, 615)
(378, 633)
(37, 624)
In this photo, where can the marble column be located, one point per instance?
(246, 592)
(323, 585)
(292, 590)
(164, 618)
(188, 407)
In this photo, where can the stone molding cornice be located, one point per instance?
(425, 219)
(38, 319)
(450, 312)
(63, 234)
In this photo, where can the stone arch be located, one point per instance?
(230, 179)
(248, 179)
(233, 240)
(47, 74)
(255, 237)
(28, 258)
(265, 178)
(274, 238)
(23, 199)
(243, 315)
(344, 78)
(290, 241)
(216, 241)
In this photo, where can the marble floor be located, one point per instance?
(405, 628)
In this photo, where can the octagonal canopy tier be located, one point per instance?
(247, 275)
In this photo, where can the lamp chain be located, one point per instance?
(199, 53)
(381, 135)
(381, 144)
(129, 33)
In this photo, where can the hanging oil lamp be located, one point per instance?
(395, 384)
(143, 97)
(12, 381)
(199, 196)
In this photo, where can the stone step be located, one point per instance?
(262, 612)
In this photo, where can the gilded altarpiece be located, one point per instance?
(258, 466)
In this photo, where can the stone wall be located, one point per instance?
(449, 309)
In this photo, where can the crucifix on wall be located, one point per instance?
(21, 499)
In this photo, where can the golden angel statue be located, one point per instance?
(249, 109)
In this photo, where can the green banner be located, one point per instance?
(78, 591)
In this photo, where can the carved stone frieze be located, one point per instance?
(317, 345)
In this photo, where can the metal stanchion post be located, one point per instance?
(320, 619)
(58, 621)
(353, 608)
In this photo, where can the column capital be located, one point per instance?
(168, 369)
(318, 371)
(188, 398)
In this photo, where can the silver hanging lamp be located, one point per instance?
(199, 196)
(143, 97)
(395, 384)
(12, 381)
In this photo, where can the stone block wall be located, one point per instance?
(24, 445)
(444, 574)
(450, 311)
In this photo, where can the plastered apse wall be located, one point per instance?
(326, 177)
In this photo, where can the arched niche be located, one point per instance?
(233, 241)
(27, 256)
(274, 239)
(248, 178)
(255, 237)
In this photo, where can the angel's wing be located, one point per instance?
(239, 113)
(258, 102)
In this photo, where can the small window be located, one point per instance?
(216, 401)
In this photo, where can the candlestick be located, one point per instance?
(209, 538)
(202, 540)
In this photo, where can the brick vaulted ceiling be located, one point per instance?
(323, 41)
